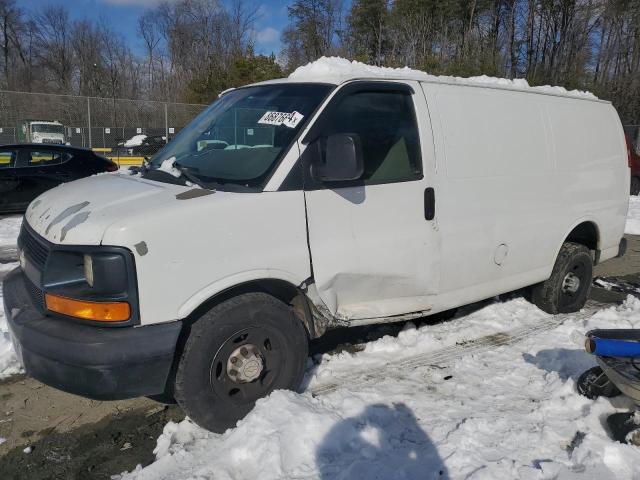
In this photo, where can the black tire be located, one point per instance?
(635, 186)
(557, 294)
(254, 327)
(594, 383)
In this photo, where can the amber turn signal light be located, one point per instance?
(96, 311)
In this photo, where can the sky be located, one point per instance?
(123, 15)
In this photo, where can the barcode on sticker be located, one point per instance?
(287, 119)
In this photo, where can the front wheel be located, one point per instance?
(239, 351)
(567, 289)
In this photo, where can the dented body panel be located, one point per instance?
(374, 254)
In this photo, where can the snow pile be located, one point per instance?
(332, 67)
(505, 408)
(633, 216)
(9, 230)
(168, 167)
(9, 364)
(135, 141)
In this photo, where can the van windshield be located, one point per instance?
(241, 137)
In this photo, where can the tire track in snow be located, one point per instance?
(445, 356)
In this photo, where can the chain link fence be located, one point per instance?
(115, 127)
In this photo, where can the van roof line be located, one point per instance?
(342, 79)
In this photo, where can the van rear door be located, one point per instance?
(374, 252)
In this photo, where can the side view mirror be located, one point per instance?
(342, 160)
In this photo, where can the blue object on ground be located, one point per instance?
(605, 347)
(617, 352)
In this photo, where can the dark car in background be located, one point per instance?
(632, 135)
(140, 146)
(27, 170)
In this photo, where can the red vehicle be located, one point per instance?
(632, 134)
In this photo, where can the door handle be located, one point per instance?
(429, 203)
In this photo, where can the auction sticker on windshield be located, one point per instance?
(290, 120)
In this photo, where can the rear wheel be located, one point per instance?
(239, 351)
(567, 289)
(635, 185)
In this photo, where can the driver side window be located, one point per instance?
(41, 158)
(385, 121)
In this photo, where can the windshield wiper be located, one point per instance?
(186, 173)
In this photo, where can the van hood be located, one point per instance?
(80, 212)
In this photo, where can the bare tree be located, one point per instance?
(148, 30)
(54, 52)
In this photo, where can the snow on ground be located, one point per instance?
(336, 67)
(633, 216)
(9, 364)
(9, 230)
(507, 410)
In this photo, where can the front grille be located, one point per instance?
(36, 293)
(37, 250)
(33, 247)
(51, 141)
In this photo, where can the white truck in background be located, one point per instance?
(41, 131)
(330, 198)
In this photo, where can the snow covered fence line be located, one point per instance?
(510, 410)
(341, 67)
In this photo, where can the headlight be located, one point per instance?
(88, 269)
(92, 283)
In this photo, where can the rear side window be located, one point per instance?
(386, 125)
(45, 157)
(7, 158)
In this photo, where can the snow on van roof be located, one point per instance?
(337, 70)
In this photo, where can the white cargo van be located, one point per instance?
(297, 205)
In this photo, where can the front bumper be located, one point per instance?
(95, 362)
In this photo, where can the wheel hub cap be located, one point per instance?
(245, 364)
(571, 283)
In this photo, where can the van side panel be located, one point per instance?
(495, 196)
(516, 173)
(590, 157)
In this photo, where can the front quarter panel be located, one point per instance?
(187, 251)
